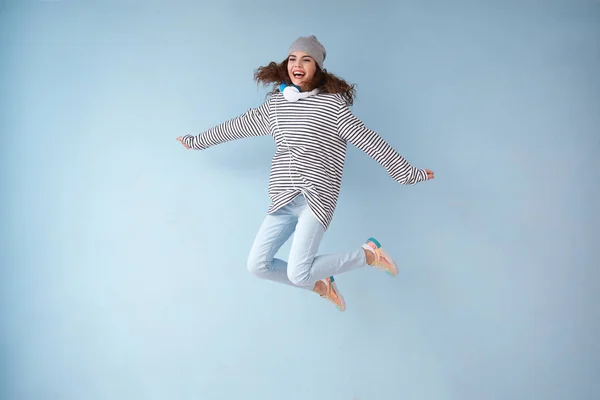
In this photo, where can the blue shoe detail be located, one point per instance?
(331, 279)
(375, 242)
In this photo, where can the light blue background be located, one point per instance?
(123, 255)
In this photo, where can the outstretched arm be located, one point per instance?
(253, 122)
(353, 130)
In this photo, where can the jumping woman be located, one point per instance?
(308, 115)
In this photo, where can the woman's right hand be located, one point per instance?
(429, 174)
(180, 139)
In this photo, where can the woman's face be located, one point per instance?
(301, 68)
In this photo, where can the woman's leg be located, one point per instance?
(275, 230)
(304, 266)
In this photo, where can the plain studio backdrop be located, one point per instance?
(124, 255)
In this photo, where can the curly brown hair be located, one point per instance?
(327, 82)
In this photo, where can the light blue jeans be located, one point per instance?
(304, 268)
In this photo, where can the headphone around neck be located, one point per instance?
(294, 93)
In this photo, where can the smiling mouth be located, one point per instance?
(298, 74)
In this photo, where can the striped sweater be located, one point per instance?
(311, 135)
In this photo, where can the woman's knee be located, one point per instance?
(256, 264)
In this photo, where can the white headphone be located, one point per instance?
(293, 92)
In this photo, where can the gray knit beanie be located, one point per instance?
(311, 46)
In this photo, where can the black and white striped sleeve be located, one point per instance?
(253, 122)
(353, 130)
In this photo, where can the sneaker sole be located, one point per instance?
(394, 271)
(339, 295)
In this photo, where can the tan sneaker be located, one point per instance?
(333, 294)
(382, 260)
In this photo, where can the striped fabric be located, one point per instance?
(310, 136)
